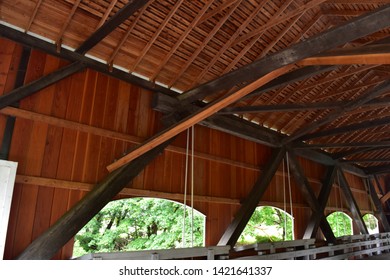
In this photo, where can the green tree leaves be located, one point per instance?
(139, 224)
(267, 224)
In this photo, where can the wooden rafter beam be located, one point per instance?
(195, 118)
(291, 77)
(380, 169)
(349, 106)
(294, 107)
(330, 39)
(234, 230)
(124, 13)
(66, 227)
(367, 160)
(347, 128)
(343, 145)
(371, 54)
(385, 198)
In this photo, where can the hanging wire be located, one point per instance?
(284, 200)
(185, 190)
(192, 186)
(289, 190)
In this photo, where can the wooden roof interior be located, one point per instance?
(179, 45)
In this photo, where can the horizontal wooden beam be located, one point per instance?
(380, 169)
(348, 128)
(196, 117)
(294, 107)
(371, 54)
(343, 145)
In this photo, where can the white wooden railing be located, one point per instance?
(347, 247)
(210, 253)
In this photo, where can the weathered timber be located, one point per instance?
(47, 244)
(339, 35)
(342, 145)
(315, 219)
(379, 213)
(347, 128)
(349, 106)
(234, 230)
(293, 107)
(26, 90)
(353, 206)
(124, 13)
(380, 169)
(308, 194)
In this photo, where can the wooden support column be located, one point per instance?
(353, 207)
(309, 195)
(46, 245)
(379, 213)
(316, 218)
(243, 215)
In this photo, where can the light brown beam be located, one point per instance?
(193, 119)
(367, 59)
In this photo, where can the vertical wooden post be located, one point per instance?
(46, 245)
(378, 206)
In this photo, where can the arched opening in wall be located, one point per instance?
(371, 223)
(267, 224)
(340, 223)
(141, 224)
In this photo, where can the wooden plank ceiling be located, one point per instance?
(181, 44)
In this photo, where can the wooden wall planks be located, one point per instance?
(94, 99)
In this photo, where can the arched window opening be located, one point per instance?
(267, 224)
(141, 224)
(340, 223)
(371, 223)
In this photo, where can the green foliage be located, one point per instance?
(340, 223)
(371, 222)
(267, 224)
(139, 224)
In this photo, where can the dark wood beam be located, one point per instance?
(341, 155)
(316, 218)
(379, 213)
(28, 40)
(291, 77)
(234, 230)
(342, 145)
(349, 106)
(339, 35)
(293, 107)
(308, 193)
(366, 160)
(124, 13)
(47, 244)
(26, 90)
(353, 206)
(347, 128)
(380, 169)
